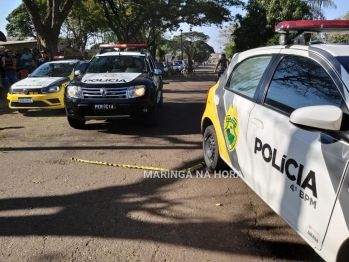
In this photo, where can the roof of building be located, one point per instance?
(16, 42)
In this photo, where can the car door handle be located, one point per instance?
(257, 122)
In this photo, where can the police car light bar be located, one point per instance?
(312, 26)
(121, 45)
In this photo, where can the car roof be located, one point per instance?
(117, 53)
(333, 49)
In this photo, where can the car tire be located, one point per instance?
(152, 117)
(75, 123)
(211, 150)
(22, 111)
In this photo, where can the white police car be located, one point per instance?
(279, 117)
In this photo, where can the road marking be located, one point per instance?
(193, 168)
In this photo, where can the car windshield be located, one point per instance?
(344, 60)
(117, 63)
(63, 69)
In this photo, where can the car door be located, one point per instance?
(297, 170)
(235, 100)
(156, 78)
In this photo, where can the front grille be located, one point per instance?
(31, 91)
(34, 104)
(111, 92)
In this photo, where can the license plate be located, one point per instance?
(25, 100)
(105, 106)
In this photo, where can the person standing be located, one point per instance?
(9, 65)
(223, 63)
(44, 58)
(27, 59)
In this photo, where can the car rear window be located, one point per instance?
(344, 60)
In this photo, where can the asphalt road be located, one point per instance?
(56, 209)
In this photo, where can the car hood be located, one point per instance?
(110, 78)
(38, 82)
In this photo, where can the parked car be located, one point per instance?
(44, 87)
(279, 117)
(163, 68)
(182, 63)
(177, 67)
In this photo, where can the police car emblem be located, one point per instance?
(25, 91)
(103, 91)
(231, 128)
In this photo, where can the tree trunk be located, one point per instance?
(49, 41)
(190, 63)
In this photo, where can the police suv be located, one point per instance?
(116, 84)
(279, 117)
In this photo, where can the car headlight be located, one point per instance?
(10, 90)
(75, 92)
(50, 89)
(135, 91)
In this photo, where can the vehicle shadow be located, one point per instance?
(5, 110)
(45, 113)
(128, 211)
(171, 122)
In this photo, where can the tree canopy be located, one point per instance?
(194, 45)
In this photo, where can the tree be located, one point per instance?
(132, 22)
(85, 19)
(194, 45)
(48, 24)
(339, 38)
(257, 27)
(316, 7)
(19, 24)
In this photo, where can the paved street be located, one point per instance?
(55, 209)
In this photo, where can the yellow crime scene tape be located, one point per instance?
(193, 168)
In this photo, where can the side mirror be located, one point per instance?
(77, 73)
(323, 117)
(157, 72)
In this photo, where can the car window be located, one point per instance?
(299, 82)
(81, 67)
(344, 60)
(160, 65)
(63, 69)
(246, 76)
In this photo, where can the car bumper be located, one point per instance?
(85, 110)
(36, 101)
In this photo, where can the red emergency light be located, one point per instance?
(312, 26)
(121, 45)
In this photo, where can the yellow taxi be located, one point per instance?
(44, 88)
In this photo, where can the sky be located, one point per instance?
(8, 6)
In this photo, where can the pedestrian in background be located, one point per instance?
(44, 58)
(9, 65)
(27, 59)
